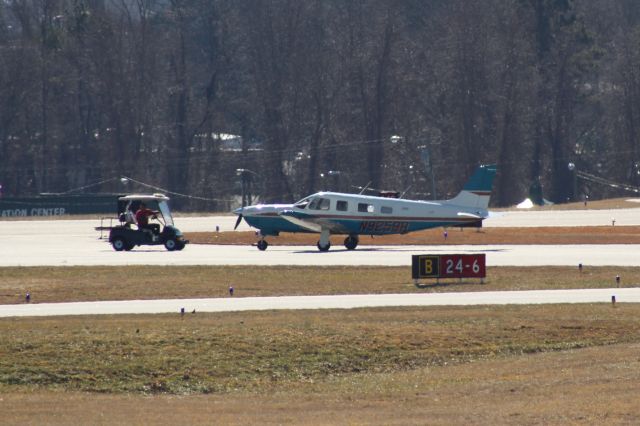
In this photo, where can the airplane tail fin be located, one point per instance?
(477, 191)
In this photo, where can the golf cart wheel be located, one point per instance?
(171, 244)
(262, 245)
(119, 244)
(129, 246)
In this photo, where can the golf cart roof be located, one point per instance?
(144, 197)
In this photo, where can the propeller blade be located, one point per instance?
(238, 222)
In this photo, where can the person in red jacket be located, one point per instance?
(142, 218)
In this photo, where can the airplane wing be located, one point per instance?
(311, 222)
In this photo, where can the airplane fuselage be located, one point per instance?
(330, 213)
(355, 214)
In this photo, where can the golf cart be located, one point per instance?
(128, 234)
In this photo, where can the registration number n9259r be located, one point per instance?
(383, 227)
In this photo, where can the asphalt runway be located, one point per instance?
(69, 243)
(89, 250)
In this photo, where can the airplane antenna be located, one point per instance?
(365, 188)
(405, 191)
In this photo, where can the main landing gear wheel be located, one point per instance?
(351, 242)
(262, 245)
(119, 244)
(324, 248)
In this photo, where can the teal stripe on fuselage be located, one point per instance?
(272, 225)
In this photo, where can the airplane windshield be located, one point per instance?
(320, 204)
(302, 203)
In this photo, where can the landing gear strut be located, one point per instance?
(351, 242)
(324, 244)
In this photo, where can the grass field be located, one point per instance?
(597, 385)
(365, 366)
(391, 365)
(76, 284)
(263, 352)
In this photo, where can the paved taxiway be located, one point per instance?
(322, 302)
(75, 242)
(524, 219)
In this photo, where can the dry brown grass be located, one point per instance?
(483, 365)
(541, 235)
(591, 386)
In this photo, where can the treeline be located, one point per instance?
(322, 94)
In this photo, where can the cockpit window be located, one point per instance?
(314, 204)
(320, 204)
(324, 204)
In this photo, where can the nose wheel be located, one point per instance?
(262, 245)
(324, 244)
(324, 247)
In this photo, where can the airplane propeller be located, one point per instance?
(238, 221)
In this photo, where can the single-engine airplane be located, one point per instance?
(353, 215)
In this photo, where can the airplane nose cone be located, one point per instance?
(238, 211)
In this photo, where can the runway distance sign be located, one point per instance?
(448, 266)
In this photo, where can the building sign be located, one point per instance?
(34, 211)
(57, 205)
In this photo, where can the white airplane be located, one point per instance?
(353, 215)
